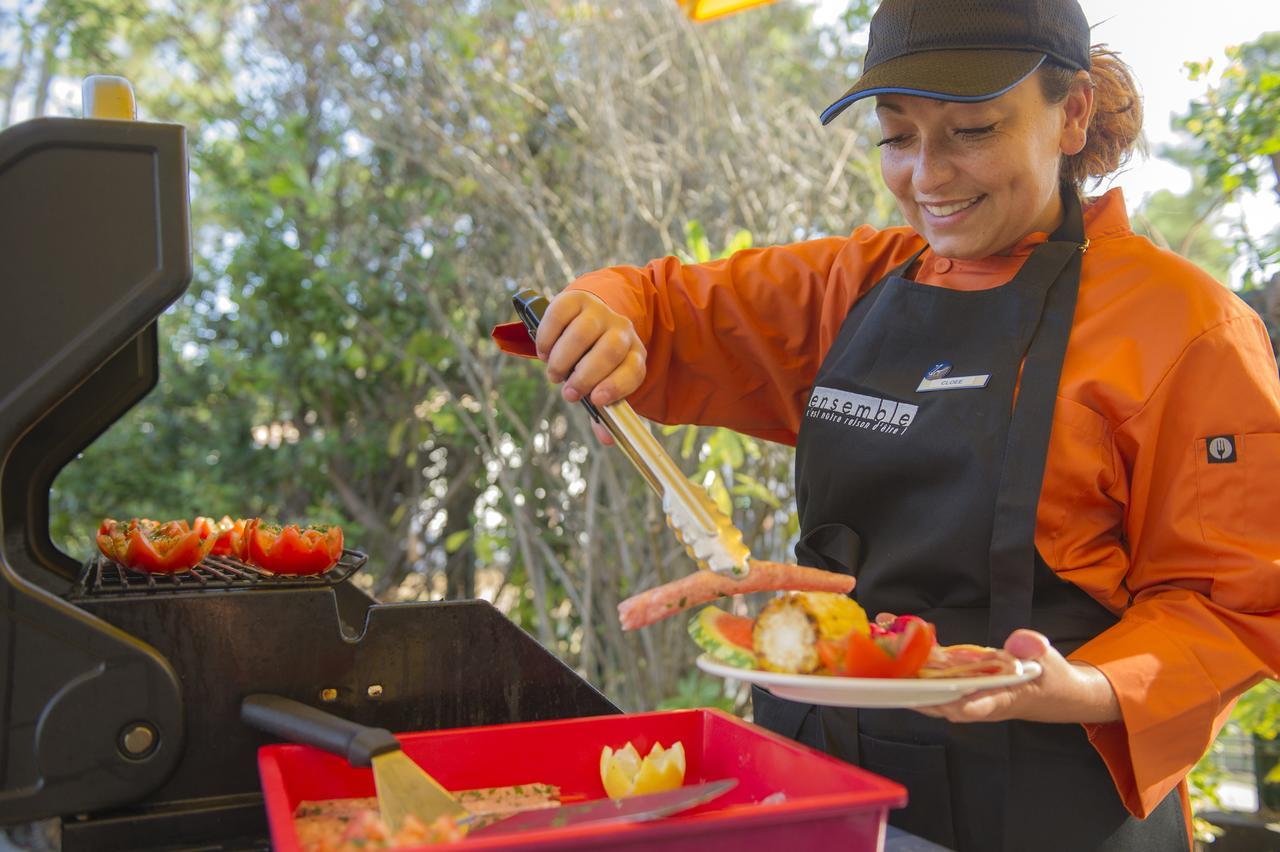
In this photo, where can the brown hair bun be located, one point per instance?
(1115, 127)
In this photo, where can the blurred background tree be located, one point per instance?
(370, 184)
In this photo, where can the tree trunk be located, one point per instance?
(47, 63)
(460, 566)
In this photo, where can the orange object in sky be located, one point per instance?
(705, 10)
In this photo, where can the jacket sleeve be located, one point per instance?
(1203, 624)
(737, 342)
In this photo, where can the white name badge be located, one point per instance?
(953, 383)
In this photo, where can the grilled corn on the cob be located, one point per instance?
(788, 628)
(837, 615)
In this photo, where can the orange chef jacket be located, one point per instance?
(1133, 509)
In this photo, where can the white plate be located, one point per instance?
(868, 691)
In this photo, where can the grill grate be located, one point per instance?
(104, 578)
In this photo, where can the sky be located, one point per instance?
(1155, 37)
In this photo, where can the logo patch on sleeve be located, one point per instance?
(1221, 449)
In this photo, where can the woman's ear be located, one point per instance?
(1077, 109)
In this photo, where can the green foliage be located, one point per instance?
(697, 690)
(1235, 138)
(1237, 123)
(1257, 714)
(1188, 224)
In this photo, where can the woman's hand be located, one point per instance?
(1064, 692)
(592, 349)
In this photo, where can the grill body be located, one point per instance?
(119, 699)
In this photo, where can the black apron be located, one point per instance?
(929, 498)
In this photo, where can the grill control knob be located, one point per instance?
(137, 740)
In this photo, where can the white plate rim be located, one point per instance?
(867, 691)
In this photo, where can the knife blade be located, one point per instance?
(708, 534)
(631, 809)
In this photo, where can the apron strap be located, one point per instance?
(1022, 473)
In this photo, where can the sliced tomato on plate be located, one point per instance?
(886, 654)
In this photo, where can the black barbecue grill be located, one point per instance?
(120, 692)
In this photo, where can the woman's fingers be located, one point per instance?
(600, 372)
(593, 350)
(624, 379)
(601, 433)
(1027, 644)
(560, 312)
(989, 705)
(572, 344)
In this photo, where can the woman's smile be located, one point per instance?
(943, 212)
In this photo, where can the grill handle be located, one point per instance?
(299, 723)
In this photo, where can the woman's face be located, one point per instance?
(975, 178)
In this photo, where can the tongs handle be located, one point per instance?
(704, 529)
(530, 307)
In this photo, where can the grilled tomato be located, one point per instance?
(228, 535)
(899, 649)
(147, 545)
(292, 549)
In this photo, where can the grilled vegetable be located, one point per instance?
(788, 629)
(147, 545)
(228, 535)
(292, 549)
(837, 615)
(724, 637)
(785, 637)
(889, 654)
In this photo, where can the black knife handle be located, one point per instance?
(530, 305)
(300, 723)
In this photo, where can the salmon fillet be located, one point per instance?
(701, 587)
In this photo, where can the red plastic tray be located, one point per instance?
(825, 801)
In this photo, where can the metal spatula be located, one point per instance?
(403, 786)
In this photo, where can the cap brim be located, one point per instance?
(946, 75)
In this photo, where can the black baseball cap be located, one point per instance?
(965, 50)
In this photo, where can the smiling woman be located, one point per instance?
(974, 178)
(1087, 413)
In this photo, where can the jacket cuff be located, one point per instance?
(1169, 708)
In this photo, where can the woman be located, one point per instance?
(1014, 418)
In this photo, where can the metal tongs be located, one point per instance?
(707, 533)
